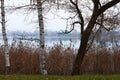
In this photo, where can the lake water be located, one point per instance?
(50, 41)
(73, 42)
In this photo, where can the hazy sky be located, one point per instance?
(17, 21)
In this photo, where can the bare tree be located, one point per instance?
(38, 4)
(7, 62)
(96, 17)
(97, 10)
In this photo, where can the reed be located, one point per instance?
(24, 59)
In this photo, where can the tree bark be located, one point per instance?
(41, 30)
(7, 62)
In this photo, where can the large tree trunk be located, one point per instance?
(7, 62)
(81, 53)
(79, 57)
(41, 28)
(84, 44)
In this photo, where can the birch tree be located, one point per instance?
(39, 4)
(42, 42)
(41, 28)
(3, 21)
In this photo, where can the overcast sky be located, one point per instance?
(17, 21)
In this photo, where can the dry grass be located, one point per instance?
(24, 59)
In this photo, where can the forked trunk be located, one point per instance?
(84, 44)
(7, 62)
(41, 28)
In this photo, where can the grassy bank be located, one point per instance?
(50, 77)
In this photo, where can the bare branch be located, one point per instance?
(73, 2)
(108, 5)
(31, 6)
(101, 25)
(24, 36)
(29, 39)
(79, 15)
(73, 25)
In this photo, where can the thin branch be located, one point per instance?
(29, 39)
(101, 25)
(73, 2)
(21, 7)
(24, 37)
(73, 25)
(79, 15)
(72, 17)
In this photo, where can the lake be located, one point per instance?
(49, 41)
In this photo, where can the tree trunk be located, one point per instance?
(81, 53)
(84, 44)
(7, 62)
(41, 28)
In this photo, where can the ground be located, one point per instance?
(53, 77)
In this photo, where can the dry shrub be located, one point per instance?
(88, 62)
(24, 59)
(2, 60)
(116, 59)
(101, 62)
(59, 60)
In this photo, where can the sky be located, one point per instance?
(19, 21)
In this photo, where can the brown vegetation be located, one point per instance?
(25, 60)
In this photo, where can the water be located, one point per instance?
(49, 41)
(69, 41)
(74, 43)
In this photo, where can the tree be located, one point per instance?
(98, 9)
(38, 4)
(7, 62)
(41, 30)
